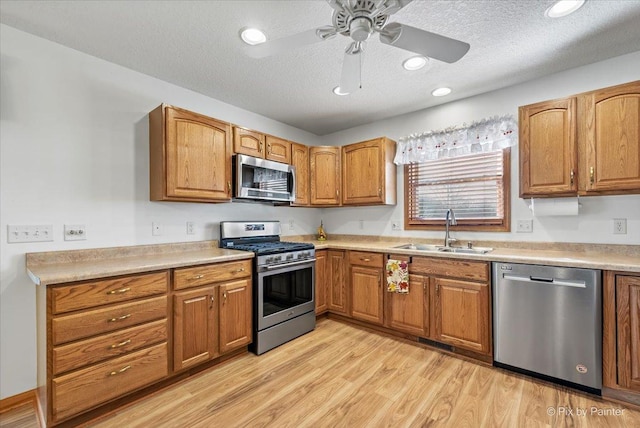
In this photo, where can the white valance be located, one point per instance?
(486, 135)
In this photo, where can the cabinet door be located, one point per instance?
(278, 150)
(363, 173)
(628, 323)
(235, 314)
(325, 175)
(337, 288)
(198, 157)
(367, 294)
(610, 121)
(462, 314)
(195, 327)
(409, 312)
(248, 142)
(321, 282)
(300, 161)
(548, 151)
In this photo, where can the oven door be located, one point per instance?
(284, 292)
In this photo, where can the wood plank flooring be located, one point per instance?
(343, 376)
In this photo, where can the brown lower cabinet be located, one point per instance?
(409, 312)
(365, 283)
(621, 336)
(338, 295)
(106, 338)
(321, 282)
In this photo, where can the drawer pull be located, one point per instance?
(121, 344)
(365, 259)
(123, 317)
(238, 270)
(120, 291)
(197, 277)
(122, 370)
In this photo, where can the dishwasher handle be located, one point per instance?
(541, 280)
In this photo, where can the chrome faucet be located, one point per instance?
(450, 219)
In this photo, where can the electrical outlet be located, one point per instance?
(191, 228)
(75, 232)
(396, 225)
(361, 224)
(524, 226)
(156, 229)
(620, 226)
(291, 224)
(36, 233)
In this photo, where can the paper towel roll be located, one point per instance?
(554, 207)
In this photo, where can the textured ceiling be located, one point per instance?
(195, 44)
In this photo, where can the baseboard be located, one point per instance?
(27, 397)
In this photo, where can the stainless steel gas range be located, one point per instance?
(283, 281)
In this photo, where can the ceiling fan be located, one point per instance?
(358, 20)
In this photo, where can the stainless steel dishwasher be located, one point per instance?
(547, 322)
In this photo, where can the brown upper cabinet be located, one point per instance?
(609, 134)
(256, 144)
(190, 156)
(548, 151)
(368, 173)
(588, 144)
(300, 161)
(324, 168)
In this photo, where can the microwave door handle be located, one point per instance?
(292, 178)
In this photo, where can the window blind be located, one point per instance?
(473, 186)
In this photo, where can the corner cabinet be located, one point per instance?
(548, 151)
(324, 172)
(610, 137)
(190, 156)
(368, 173)
(300, 161)
(621, 336)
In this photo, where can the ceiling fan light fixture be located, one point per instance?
(441, 92)
(252, 36)
(415, 63)
(563, 8)
(337, 91)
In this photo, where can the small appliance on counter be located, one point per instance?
(283, 281)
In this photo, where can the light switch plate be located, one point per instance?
(524, 226)
(29, 233)
(75, 232)
(156, 229)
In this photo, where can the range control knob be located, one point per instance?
(300, 255)
(269, 259)
(277, 258)
(289, 256)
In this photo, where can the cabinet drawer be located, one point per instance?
(90, 323)
(360, 258)
(207, 274)
(475, 271)
(103, 292)
(96, 349)
(89, 387)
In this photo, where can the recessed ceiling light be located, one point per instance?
(441, 92)
(253, 36)
(414, 63)
(337, 91)
(563, 8)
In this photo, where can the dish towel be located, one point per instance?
(397, 276)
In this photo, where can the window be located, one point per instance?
(475, 186)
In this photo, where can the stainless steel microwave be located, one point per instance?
(261, 179)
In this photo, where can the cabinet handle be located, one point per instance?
(121, 344)
(571, 175)
(197, 277)
(122, 370)
(224, 296)
(123, 317)
(213, 298)
(379, 191)
(260, 148)
(120, 291)
(229, 186)
(269, 148)
(238, 270)
(365, 260)
(592, 177)
(437, 288)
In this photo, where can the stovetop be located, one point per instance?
(274, 247)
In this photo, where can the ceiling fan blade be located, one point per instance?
(423, 42)
(273, 47)
(351, 68)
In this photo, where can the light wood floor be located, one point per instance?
(343, 376)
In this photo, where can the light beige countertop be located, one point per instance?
(58, 267)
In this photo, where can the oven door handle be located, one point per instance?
(286, 265)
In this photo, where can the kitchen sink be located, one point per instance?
(443, 249)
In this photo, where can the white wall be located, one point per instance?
(74, 150)
(594, 224)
